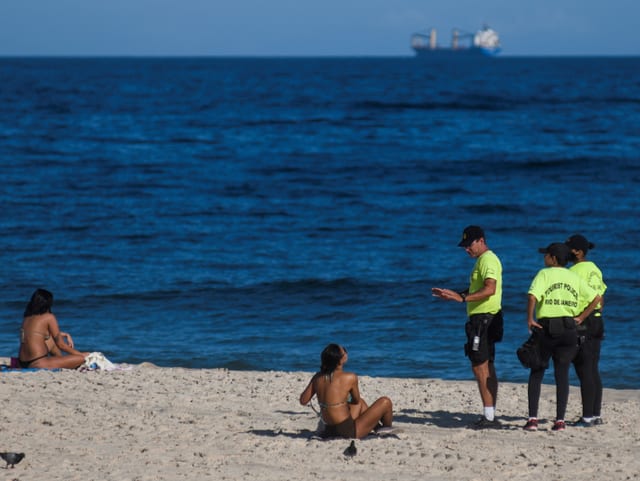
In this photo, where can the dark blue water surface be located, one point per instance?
(243, 213)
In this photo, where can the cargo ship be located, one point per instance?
(484, 43)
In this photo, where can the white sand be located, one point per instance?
(170, 424)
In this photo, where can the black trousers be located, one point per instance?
(586, 365)
(563, 350)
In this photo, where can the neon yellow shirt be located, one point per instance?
(560, 293)
(487, 266)
(590, 273)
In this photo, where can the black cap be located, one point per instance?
(579, 243)
(470, 234)
(558, 250)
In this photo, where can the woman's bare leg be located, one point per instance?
(381, 410)
(70, 361)
(358, 409)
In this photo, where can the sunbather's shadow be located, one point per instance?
(272, 433)
(292, 413)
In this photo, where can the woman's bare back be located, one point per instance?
(333, 393)
(35, 337)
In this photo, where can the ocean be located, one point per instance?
(242, 213)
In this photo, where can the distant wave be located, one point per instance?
(495, 208)
(284, 287)
(313, 283)
(576, 164)
(473, 103)
(493, 103)
(289, 121)
(603, 100)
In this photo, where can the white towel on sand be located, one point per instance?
(96, 360)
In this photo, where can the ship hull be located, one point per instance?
(450, 53)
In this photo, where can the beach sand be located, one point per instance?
(150, 423)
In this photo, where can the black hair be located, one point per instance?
(40, 303)
(330, 358)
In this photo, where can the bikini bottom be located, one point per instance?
(26, 364)
(345, 429)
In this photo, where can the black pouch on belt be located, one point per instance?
(556, 326)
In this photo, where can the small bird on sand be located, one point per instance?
(12, 458)
(351, 450)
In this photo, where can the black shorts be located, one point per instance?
(489, 328)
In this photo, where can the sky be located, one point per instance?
(309, 28)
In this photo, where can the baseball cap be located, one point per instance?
(558, 250)
(471, 233)
(579, 243)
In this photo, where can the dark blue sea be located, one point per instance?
(244, 212)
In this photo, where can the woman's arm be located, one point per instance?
(531, 309)
(354, 391)
(309, 391)
(63, 341)
(66, 338)
(584, 314)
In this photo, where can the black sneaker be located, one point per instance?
(484, 423)
(597, 421)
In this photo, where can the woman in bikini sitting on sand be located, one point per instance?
(41, 341)
(343, 411)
